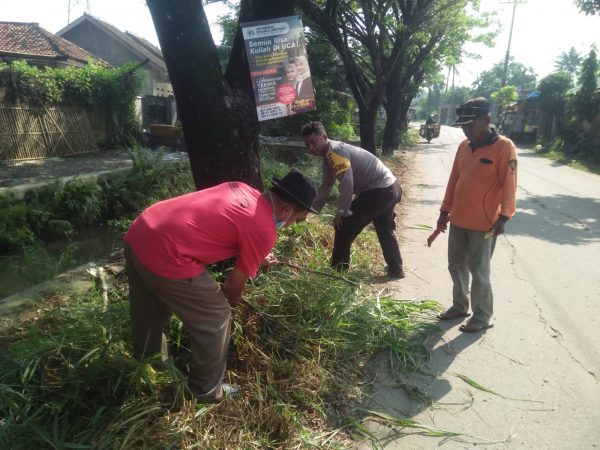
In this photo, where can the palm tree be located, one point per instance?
(568, 62)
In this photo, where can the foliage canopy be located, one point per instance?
(387, 49)
(588, 7)
(505, 96)
(585, 101)
(518, 75)
(568, 61)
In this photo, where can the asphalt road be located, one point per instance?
(543, 355)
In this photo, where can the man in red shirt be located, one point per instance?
(167, 248)
(479, 200)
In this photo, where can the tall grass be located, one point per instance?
(300, 347)
(300, 344)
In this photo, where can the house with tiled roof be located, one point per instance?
(30, 42)
(118, 48)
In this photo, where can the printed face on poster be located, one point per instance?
(278, 67)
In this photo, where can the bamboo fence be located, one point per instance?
(28, 133)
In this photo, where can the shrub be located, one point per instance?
(110, 90)
(59, 210)
(79, 202)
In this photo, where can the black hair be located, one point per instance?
(313, 127)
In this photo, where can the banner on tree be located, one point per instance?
(278, 67)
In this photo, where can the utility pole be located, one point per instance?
(512, 22)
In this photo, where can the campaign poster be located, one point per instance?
(278, 67)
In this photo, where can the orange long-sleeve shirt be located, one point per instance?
(482, 184)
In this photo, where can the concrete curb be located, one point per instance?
(18, 192)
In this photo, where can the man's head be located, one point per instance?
(315, 138)
(474, 118)
(294, 196)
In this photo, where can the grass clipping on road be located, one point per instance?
(299, 349)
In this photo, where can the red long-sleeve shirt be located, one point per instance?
(482, 184)
(176, 238)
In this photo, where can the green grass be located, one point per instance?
(300, 346)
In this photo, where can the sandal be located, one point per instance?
(452, 314)
(474, 327)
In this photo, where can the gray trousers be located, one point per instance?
(469, 254)
(204, 311)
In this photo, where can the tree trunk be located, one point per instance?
(367, 118)
(218, 113)
(396, 123)
(397, 104)
(390, 130)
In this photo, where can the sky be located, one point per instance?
(542, 28)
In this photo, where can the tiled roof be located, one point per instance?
(31, 40)
(139, 45)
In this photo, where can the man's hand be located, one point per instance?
(498, 228)
(233, 287)
(442, 222)
(235, 301)
(269, 261)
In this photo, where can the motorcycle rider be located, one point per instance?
(429, 128)
(431, 120)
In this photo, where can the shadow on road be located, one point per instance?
(550, 218)
(409, 395)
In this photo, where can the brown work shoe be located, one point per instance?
(473, 326)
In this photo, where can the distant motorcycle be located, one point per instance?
(429, 131)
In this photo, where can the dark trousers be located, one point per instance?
(377, 206)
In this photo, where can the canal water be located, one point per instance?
(18, 272)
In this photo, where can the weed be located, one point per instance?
(79, 202)
(36, 264)
(300, 343)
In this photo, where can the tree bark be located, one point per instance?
(217, 112)
(396, 109)
(401, 88)
(367, 120)
(392, 112)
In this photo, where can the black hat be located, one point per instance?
(296, 187)
(471, 110)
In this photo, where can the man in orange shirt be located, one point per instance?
(479, 200)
